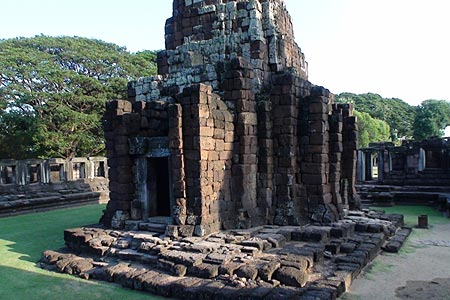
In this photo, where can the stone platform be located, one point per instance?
(16, 200)
(269, 262)
(375, 194)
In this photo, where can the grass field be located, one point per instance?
(24, 238)
(412, 212)
(22, 241)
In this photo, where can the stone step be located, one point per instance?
(396, 242)
(160, 220)
(153, 227)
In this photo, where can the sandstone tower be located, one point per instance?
(230, 134)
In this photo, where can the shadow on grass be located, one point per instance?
(32, 234)
(40, 284)
(22, 241)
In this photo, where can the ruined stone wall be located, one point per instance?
(252, 142)
(238, 93)
(208, 134)
(425, 163)
(349, 155)
(202, 37)
(41, 184)
(124, 120)
(287, 129)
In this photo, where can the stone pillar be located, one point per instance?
(2, 172)
(422, 160)
(369, 166)
(361, 166)
(118, 124)
(45, 172)
(239, 95)
(265, 157)
(177, 162)
(349, 155)
(89, 169)
(336, 149)
(380, 166)
(22, 173)
(140, 210)
(285, 113)
(208, 135)
(316, 161)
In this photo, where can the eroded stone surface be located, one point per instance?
(248, 139)
(220, 266)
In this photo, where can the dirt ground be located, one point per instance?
(420, 271)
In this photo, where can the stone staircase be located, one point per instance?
(153, 224)
(389, 195)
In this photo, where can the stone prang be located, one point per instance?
(230, 134)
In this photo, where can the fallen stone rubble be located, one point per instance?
(269, 262)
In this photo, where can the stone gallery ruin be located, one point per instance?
(231, 134)
(231, 175)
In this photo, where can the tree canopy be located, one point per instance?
(432, 117)
(53, 92)
(396, 112)
(371, 130)
(428, 119)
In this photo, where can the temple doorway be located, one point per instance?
(158, 185)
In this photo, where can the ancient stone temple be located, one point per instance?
(230, 173)
(425, 163)
(412, 173)
(230, 134)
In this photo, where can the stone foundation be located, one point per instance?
(269, 262)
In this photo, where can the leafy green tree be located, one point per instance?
(397, 113)
(17, 129)
(432, 117)
(371, 130)
(53, 92)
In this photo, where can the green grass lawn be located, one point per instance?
(24, 238)
(411, 213)
(22, 241)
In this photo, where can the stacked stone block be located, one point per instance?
(237, 85)
(350, 154)
(286, 97)
(258, 31)
(123, 121)
(177, 163)
(336, 149)
(266, 158)
(251, 140)
(208, 133)
(413, 163)
(117, 127)
(316, 160)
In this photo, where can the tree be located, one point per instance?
(431, 119)
(53, 92)
(17, 129)
(397, 113)
(371, 130)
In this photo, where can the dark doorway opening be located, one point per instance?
(158, 184)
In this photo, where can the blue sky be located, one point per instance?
(397, 48)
